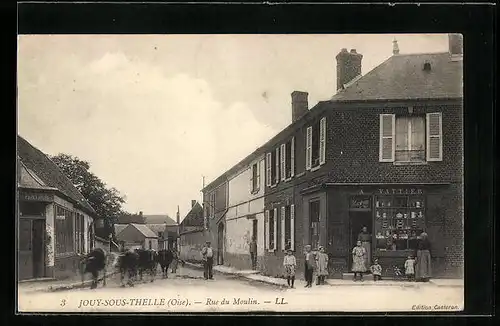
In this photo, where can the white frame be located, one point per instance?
(382, 137)
(429, 136)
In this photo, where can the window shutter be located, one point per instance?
(277, 165)
(387, 137)
(322, 140)
(308, 148)
(258, 175)
(266, 229)
(268, 169)
(275, 226)
(292, 227)
(292, 157)
(283, 162)
(434, 136)
(251, 179)
(282, 216)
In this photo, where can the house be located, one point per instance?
(55, 221)
(133, 236)
(384, 152)
(192, 233)
(165, 228)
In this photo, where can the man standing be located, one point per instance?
(208, 261)
(253, 253)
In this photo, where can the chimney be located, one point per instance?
(348, 67)
(299, 104)
(193, 202)
(395, 47)
(455, 44)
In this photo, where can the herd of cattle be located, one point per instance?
(131, 265)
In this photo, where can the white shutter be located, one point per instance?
(275, 226)
(266, 229)
(277, 165)
(251, 178)
(292, 157)
(434, 136)
(292, 227)
(309, 148)
(387, 137)
(258, 175)
(282, 216)
(322, 141)
(283, 162)
(268, 169)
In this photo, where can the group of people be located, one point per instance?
(417, 267)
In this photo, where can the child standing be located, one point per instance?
(322, 263)
(290, 264)
(376, 270)
(358, 261)
(310, 265)
(410, 268)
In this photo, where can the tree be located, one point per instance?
(107, 202)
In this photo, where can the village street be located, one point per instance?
(188, 292)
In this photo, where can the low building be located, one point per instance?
(133, 236)
(192, 233)
(55, 221)
(165, 228)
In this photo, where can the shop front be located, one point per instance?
(388, 219)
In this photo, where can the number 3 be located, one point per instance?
(63, 302)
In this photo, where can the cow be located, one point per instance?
(127, 265)
(94, 262)
(165, 258)
(148, 262)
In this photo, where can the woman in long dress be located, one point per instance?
(423, 261)
(366, 241)
(358, 260)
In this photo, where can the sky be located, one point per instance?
(153, 114)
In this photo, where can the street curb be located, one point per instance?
(36, 280)
(367, 283)
(78, 285)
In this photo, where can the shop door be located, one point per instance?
(25, 263)
(314, 216)
(357, 220)
(220, 244)
(38, 232)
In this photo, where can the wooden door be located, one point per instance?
(38, 240)
(220, 244)
(25, 263)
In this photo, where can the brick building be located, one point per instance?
(385, 152)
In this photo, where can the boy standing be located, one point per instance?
(376, 270)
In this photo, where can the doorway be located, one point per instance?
(357, 220)
(254, 230)
(314, 217)
(31, 248)
(220, 244)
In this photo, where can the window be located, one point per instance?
(255, 178)
(398, 222)
(314, 213)
(316, 145)
(150, 244)
(271, 229)
(64, 231)
(411, 138)
(79, 233)
(272, 167)
(288, 227)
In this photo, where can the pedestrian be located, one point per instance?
(207, 254)
(410, 268)
(310, 265)
(358, 260)
(290, 264)
(253, 253)
(175, 259)
(376, 270)
(322, 266)
(366, 241)
(423, 261)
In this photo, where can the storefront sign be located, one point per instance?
(363, 203)
(400, 191)
(36, 197)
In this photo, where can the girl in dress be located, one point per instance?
(290, 264)
(322, 264)
(358, 261)
(410, 268)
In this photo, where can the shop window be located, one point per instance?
(64, 230)
(398, 222)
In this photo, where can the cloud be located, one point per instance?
(149, 135)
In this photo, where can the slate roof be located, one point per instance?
(145, 230)
(194, 217)
(156, 228)
(45, 170)
(119, 228)
(159, 219)
(402, 77)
